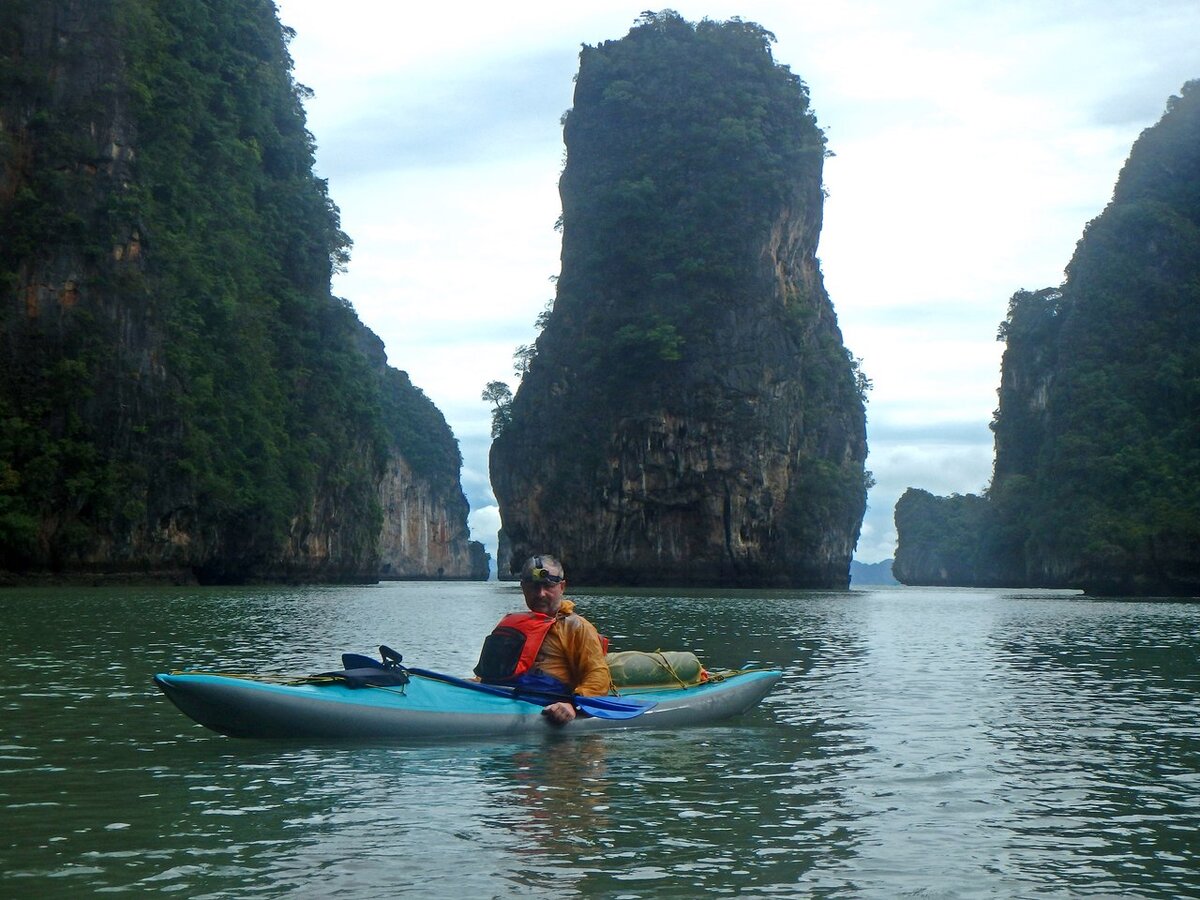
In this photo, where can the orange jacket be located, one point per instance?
(573, 652)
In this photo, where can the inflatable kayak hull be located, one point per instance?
(429, 708)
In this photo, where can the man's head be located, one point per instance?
(543, 581)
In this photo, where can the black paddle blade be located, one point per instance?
(358, 661)
(390, 657)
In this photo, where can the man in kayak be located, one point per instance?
(549, 648)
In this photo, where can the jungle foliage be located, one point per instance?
(685, 141)
(1097, 479)
(205, 375)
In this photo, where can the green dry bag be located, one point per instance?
(637, 668)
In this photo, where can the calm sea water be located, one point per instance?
(930, 743)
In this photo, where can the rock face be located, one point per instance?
(425, 534)
(180, 394)
(690, 416)
(1097, 476)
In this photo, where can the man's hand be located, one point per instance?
(559, 713)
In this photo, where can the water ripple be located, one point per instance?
(922, 743)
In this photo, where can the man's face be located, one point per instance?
(542, 596)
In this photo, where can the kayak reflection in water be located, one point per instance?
(549, 647)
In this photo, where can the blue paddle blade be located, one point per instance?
(611, 708)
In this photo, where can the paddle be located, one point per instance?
(600, 707)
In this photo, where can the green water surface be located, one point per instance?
(931, 743)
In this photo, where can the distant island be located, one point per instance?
(879, 573)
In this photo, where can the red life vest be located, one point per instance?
(513, 645)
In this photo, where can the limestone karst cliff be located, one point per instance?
(1097, 475)
(425, 534)
(690, 415)
(180, 394)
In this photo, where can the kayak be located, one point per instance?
(431, 705)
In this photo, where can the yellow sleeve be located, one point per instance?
(584, 657)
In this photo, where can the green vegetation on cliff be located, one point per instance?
(683, 146)
(1097, 478)
(689, 413)
(173, 362)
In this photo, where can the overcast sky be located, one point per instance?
(972, 143)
